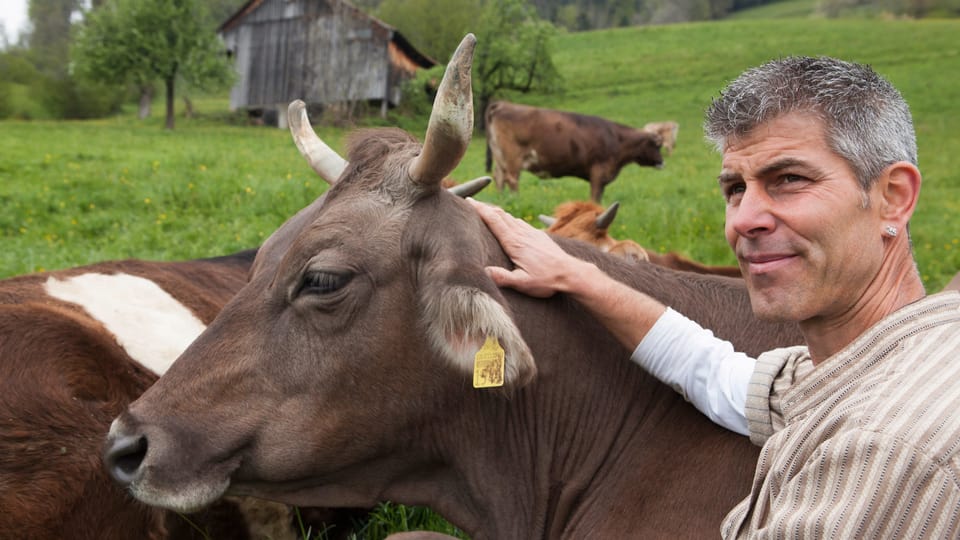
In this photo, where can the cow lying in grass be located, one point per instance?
(362, 362)
(77, 346)
(589, 222)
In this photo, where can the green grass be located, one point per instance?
(78, 192)
(637, 75)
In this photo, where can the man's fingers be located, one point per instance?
(498, 274)
(494, 216)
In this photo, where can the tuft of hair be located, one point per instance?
(578, 220)
(461, 318)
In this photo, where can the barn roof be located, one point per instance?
(396, 37)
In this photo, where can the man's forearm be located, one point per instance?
(626, 312)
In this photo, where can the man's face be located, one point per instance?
(797, 222)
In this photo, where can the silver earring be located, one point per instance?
(891, 231)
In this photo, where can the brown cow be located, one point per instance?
(341, 374)
(76, 347)
(589, 222)
(552, 144)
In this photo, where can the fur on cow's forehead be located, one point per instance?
(373, 193)
(350, 235)
(379, 160)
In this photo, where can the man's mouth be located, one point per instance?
(764, 263)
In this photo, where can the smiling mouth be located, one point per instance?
(763, 264)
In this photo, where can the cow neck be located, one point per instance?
(589, 429)
(528, 465)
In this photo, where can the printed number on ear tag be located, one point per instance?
(488, 365)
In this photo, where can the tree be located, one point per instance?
(49, 37)
(513, 53)
(219, 10)
(436, 36)
(139, 41)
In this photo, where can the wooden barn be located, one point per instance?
(321, 51)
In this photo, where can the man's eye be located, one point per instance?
(733, 191)
(791, 178)
(323, 282)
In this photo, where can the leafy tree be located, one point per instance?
(139, 41)
(220, 10)
(513, 53)
(418, 20)
(5, 108)
(49, 37)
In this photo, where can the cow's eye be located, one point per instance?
(320, 282)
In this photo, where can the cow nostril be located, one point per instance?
(124, 456)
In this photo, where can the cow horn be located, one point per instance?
(322, 159)
(451, 121)
(606, 218)
(470, 187)
(547, 220)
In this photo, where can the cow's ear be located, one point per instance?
(461, 320)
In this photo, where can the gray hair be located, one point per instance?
(867, 121)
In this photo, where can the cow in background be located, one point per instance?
(76, 347)
(341, 373)
(589, 222)
(552, 144)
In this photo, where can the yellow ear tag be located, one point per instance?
(488, 365)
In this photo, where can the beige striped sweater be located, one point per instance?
(867, 445)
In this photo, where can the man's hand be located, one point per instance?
(542, 267)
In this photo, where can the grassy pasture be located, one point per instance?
(79, 192)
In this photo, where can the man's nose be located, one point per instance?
(753, 214)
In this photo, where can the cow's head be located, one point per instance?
(645, 148)
(583, 220)
(589, 222)
(359, 326)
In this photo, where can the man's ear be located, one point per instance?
(899, 191)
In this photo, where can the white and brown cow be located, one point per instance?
(341, 373)
(551, 144)
(76, 347)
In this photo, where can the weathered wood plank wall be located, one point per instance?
(320, 51)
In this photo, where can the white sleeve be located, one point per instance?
(703, 368)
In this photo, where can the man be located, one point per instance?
(861, 427)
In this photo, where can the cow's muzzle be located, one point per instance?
(123, 456)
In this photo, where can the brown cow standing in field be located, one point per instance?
(589, 222)
(553, 143)
(76, 347)
(341, 374)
